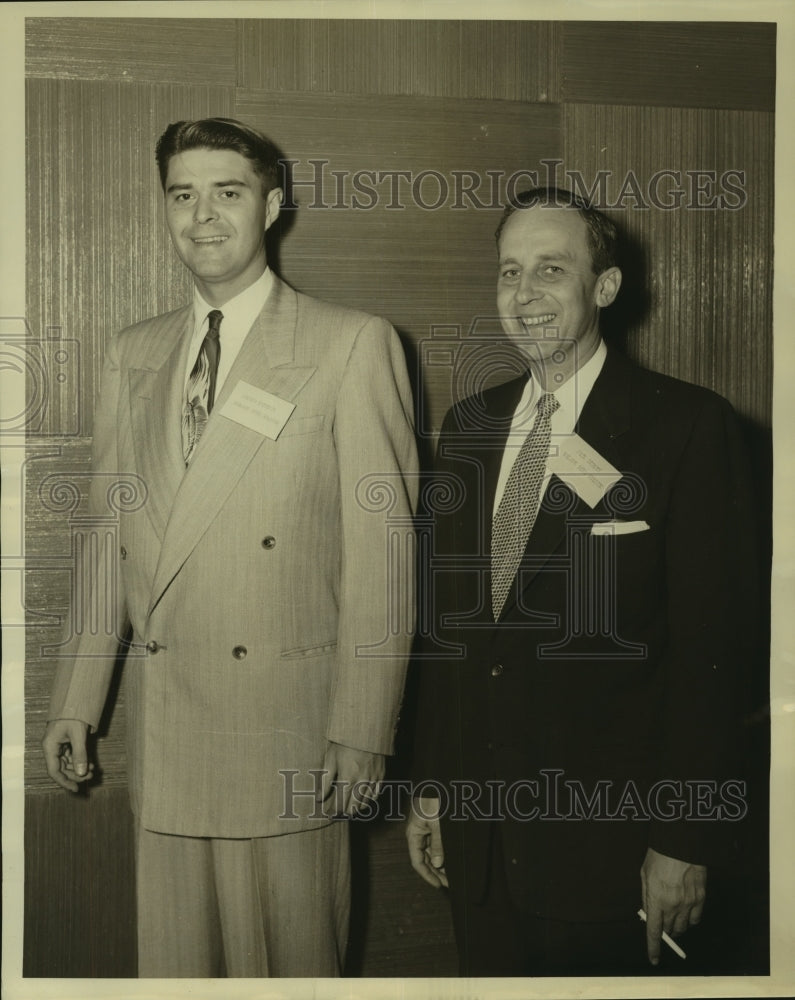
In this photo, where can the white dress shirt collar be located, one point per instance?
(571, 396)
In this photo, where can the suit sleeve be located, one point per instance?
(97, 614)
(377, 461)
(712, 629)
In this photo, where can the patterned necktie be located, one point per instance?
(200, 395)
(518, 507)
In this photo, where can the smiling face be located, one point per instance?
(548, 296)
(217, 216)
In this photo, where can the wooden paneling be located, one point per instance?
(400, 926)
(149, 50)
(678, 64)
(669, 64)
(79, 885)
(99, 256)
(707, 270)
(495, 60)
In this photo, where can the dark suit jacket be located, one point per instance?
(615, 662)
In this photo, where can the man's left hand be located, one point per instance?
(673, 897)
(352, 776)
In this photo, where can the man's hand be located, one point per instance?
(64, 746)
(673, 897)
(424, 838)
(353, 776)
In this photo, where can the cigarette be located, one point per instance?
(666, 937)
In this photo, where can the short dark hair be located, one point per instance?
(221, 133)
(602, 234)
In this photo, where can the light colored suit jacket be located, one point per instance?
(260, 582)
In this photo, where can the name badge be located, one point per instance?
(257, 409)
(582, 468)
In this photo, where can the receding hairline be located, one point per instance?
(548, 254)
(601, 233)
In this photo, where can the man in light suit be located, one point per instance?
(579, 737)
(263, 674)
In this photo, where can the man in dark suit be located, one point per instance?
(257, 581)
(578, 738)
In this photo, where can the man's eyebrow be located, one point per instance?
(556, 255)
(543, 257)
(189, 186)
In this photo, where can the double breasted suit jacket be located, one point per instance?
(614, 666)
(257, 581)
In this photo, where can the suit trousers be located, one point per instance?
(268, 906)
(495, 938)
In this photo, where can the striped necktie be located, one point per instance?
(518, 507)
(200, 394)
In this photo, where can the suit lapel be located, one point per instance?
(156, 392)
(471, 452)
(226, 447)
(604, 418)
(490, 437)
(607, 411)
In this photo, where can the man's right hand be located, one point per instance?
(64, 746)
(425, 841)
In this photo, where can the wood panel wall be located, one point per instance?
(675, 65)
(445, 96)
(702, 264)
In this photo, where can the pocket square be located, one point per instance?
(618, 527)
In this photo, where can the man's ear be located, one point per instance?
(273, 203)
(607, 286)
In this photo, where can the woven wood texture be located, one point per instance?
(492, 60)
(706, 269)
(670, 64)
(174, 50)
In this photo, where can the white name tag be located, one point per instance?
(257, 409)
(582, 468)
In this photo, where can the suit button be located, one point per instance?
(152, 646)
(123, 552)
(240, 652)
(496, 670)
(268, 542)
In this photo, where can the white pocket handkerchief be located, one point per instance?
(618, 527)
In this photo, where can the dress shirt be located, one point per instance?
(239, 315)
(571, 396)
